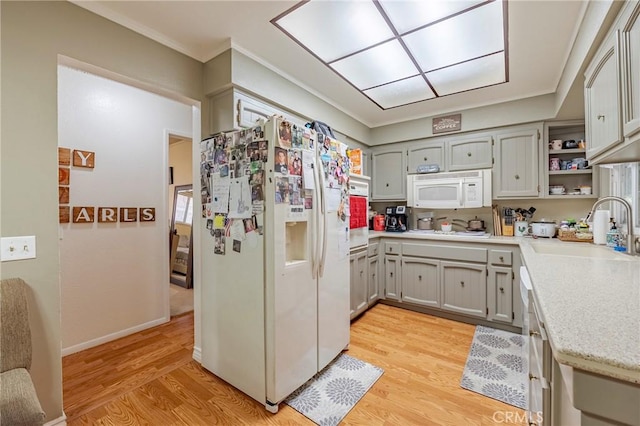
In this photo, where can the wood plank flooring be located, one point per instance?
(149, 378)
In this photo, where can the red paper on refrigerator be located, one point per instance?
(359, 211)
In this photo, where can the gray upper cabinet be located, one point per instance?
(602, 99)
(426, 153)
(630, 61)
(388, 175)
(470, 153)
(516, 169)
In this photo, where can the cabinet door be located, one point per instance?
(389, 175)
(421, 281)
(374, 292)
(358, 271)
(602, 99)
(500, 297)
(433, 153)
(464, 288)
(630, 61)
(392, 277)
(516, 169)
(470, 153)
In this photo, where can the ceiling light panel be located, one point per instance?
(481, 72)
(469, 35)
(381, 64)
(402, 92)
(334, 29)
(409, 15)
(398, 52)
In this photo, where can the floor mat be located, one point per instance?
(497, 366)
(329, 395)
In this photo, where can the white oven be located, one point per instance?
(359, 209)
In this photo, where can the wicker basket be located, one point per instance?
(573, 235)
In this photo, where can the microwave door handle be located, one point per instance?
(461, 193)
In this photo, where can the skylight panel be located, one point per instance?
(333, 29)
(381, 64)
(469, 35)
(481, 72)
(414, 89)
(408, 15)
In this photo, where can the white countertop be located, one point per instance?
(590, 306)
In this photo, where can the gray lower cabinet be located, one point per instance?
(473, 279)
(374, 286)
(500, 294)
(359, 296)
(392, 277)
(500, 282)
(464, 288)
(421, 281)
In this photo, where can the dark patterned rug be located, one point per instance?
(329, 395)
(497, 366)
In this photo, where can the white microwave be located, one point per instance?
(450, 190)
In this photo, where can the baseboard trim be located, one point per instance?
(197, 354)
(113, 336)
(60, 421)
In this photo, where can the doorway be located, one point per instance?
(180, 212)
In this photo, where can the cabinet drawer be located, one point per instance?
(392, 248)
(372, 249)
(436, 251)
(500, 257)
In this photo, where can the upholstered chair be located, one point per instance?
(19, 404)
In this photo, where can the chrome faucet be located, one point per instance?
(631, 241)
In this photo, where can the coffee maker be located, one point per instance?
(396, 219)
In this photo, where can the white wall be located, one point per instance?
(114, 275)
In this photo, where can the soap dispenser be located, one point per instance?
(613, 236)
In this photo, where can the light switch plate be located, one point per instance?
(18, 248)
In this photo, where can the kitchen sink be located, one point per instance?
(579, 250)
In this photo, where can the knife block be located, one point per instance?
(507, 228)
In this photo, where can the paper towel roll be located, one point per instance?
(600, 226)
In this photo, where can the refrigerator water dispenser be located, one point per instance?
(296, 242)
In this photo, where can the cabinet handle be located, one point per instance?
(374, 275)
(468, 154)
(534, 333)
(532, 377)
(462, 283)
(601, 117)
(390, 248)
(425, 158)
(419, 277)
(387, 185)
(517, 177)
(391, 274)
(361, 272)
(502, 259)
(501, 289)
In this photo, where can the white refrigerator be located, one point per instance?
(275, 284)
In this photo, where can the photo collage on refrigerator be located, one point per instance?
(294, 161)
(232, 172)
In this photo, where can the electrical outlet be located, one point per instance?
(18, 248)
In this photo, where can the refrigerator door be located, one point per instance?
(291, 304)
(333, 281)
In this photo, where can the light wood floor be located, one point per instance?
(149, 378)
